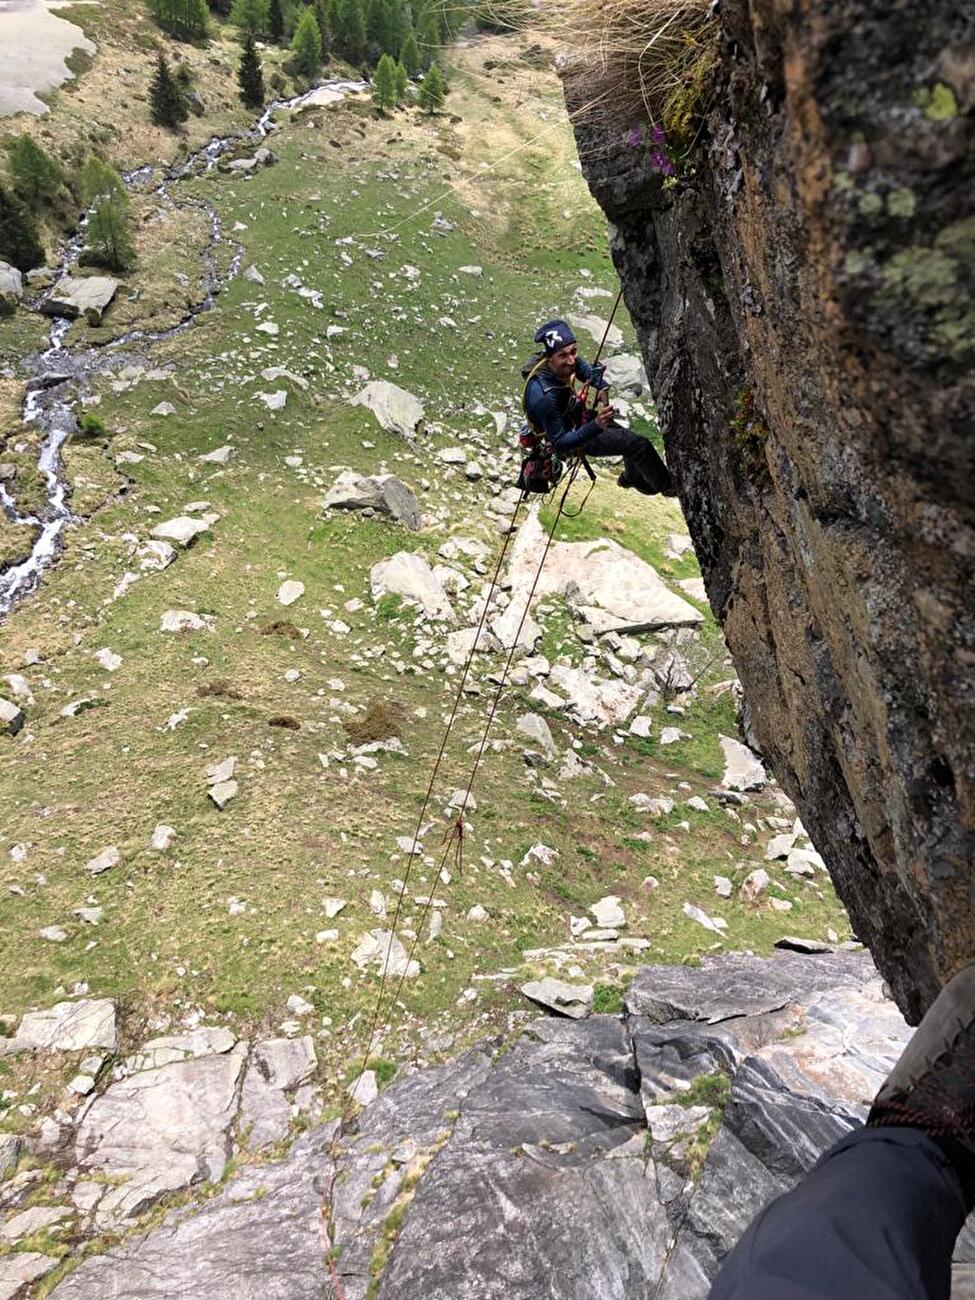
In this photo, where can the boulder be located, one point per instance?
(743, 769)
(595, 327)
(386, 494)
(536, 729)
(182, 530)
(381, 948)
(290, 591)
(395, 409)
(159, 1130)
(182, 620)
(18, 1270)
(219, 456)
(75, 296)
(409, 576)
(572, 1000)
(627, 376)
(11, 288)
(67, 1027)
(104, 861)
(12, 717)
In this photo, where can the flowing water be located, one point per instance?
(60, 372)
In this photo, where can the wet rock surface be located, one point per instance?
(608, 1157)
(803, 304)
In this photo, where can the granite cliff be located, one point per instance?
(803, 290)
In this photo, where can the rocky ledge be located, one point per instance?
(596, 1159)
(803, 290)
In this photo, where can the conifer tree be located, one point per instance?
(428, 36)
(409, 54)
(350, 29)
(250, 78)
(275, 22)
(307, 43)
(184, 19)
(324, 19)
(432, 90)
(108, 241)
(251, 16)
(36, 176)
(401, 81)
(19, 244)
(167, 103)
(384, 84)
(98, 178)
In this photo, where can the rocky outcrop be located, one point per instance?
(803, 291)
(594, 1159)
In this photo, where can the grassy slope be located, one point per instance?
(298, 831)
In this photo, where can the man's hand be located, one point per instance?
(605, 415)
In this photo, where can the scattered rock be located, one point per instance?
(53, 934)
(572, 1000)
(408, 575)
(365, 1090)
(163, 409)
(608, 913)
(743, 769)
(182, 530)
(627, 375)
(382, 948)
(537, 730)
(290, 591)
(722, 886)
(182, 620)
(67, 1027)
(162, 838)
(219, 456)
(104, 861)
(12, 717)
(754, 885)
(396, 410)
(714, 923)
(11, 289)
(386, 494)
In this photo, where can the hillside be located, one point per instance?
(422, 251)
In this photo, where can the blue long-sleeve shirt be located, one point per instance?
(553, 409)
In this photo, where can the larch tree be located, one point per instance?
(307, 43)
(250, 77)
(384, 84)
(433, 91)
(36, 176)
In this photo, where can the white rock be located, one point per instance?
(540, 853)
(222, 793)
(537, 730)
(743, 769)
(659, 806)
(754, 884)
(290, 591)
(53, 934)
(608, 913)
(477, 913)
(219, 455)
(714, 923)
(252, 274)
(90, 915)
(108, 659)
(722, 886)
(381, 947)
(104, 861)
(572, 1000)
(779, 846)
(299, 1006)
(671, 735)
(275, 401)
(182, 530)
(409, 576)
(12, 717)
(69, 1027)
(640, 725)
(182, 620)
(697, 803)
(365, 1090)
(163, 408)
(162, 837)
(332, 907)
(396, 410)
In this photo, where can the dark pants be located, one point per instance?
(875, 1219)
(643, 467)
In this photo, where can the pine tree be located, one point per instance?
(428, 36)
(251, 16)
(307, 43)
(275, 22)
(184, 19)
(401, 81)
(99, 178)
(36, 176)
(167, 103)
(432, 90)
(350, 29)
(19, 244)
(409, 54)
(250, 78)
(323, 18)
(384, 84)
(108, 241)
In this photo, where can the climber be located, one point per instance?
(877, 1216)
(555, 412)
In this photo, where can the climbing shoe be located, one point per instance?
(932, 1086)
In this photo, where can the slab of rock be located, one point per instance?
(754, 885)
(409, 576)
(160, 1130)
(743, 769)
(10, 1148)
(595, 700)
(67, 1027)
(219, 456)
(608, 913)
(11, 288)
(536, 729)
(207, 1040)
(572, 1000)
(276, 1068)
(290, 591)
(162, 838)
(75, 296)
(182, 620)
(626, 375)
(104, 861)
(262, 1238)
(20, 1269)
(163, 409)
(385, 493)
(221, 793)
(396, 410)
(36, 1219)
(596, 328)
(12, 717)
(381, 948)
(182, 530)
(217, 773)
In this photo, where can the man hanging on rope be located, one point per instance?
(555, 412)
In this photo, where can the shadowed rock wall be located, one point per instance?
(815, 270)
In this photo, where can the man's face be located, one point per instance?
(563, 363)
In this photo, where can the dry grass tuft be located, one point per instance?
(381, 721)
(222, 688)
(284, 720)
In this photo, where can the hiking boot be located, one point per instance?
(932, 1086)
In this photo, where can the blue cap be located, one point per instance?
(553, 335)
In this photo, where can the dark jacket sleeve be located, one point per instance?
(544, 415)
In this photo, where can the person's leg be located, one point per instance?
(875, 1219)
(643, 467)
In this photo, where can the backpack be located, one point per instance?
(541, 468)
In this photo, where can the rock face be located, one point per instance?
(11, 288)
(611, 1188)
(803, 303)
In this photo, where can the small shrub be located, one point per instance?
(607, 1000)
(284, 720)
(706, 1090)
(383, 1067)
(221, 688)
(91, 426)
(381, 721)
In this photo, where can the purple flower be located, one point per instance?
(658, 134)
(633, 138)
(661, 163)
